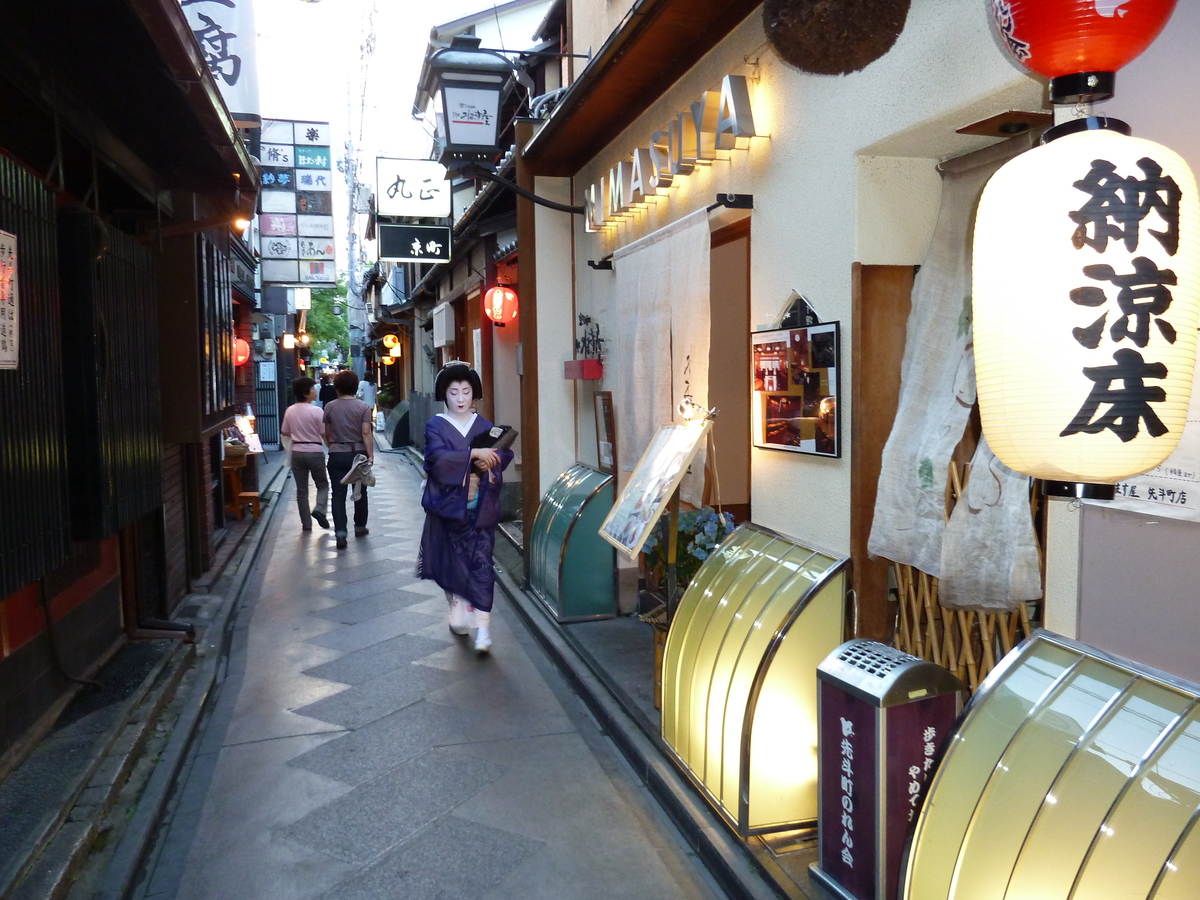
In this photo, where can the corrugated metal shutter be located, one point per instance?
(34, 525)
(110, 325)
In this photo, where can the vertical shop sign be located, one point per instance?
(224, 30)
(296, 205)
(849, 810)
(9, 306)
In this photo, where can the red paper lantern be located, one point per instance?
(241, 352)
(500, 304)
(1079, 44)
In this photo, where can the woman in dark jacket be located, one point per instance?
(462, 504)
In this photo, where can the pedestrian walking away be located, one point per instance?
(462, 504)
(327, 392)
(304, 424)
(348, 433)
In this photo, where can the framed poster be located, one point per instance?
(648, 489)
(795, 378)
(606, 433)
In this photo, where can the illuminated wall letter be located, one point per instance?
(704, 126)
(596, 201)
(618, 189)
(681, 145)
(735, 121)
(660, 162)
(641, 170)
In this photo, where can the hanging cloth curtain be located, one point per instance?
(937, 391)
(663, 323)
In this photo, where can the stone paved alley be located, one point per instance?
(357, 749)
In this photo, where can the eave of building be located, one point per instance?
(136, 70)
(654, 46)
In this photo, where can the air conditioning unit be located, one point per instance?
(443, 325)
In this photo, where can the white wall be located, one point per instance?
(556, 332)
(824, 197)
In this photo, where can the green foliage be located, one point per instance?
(329, 332)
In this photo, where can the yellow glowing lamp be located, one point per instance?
(395, 351)
(289, 342)
(388, 360)
(739, 686)
(390, 340)
(1086, 297)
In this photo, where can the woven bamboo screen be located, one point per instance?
(969, 644)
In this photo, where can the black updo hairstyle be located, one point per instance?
(456, 371)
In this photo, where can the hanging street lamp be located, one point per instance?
(1086, 269)
(470, 84)
(500, 304)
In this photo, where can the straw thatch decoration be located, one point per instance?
(833, 37)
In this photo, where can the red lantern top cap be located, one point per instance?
(1058, 38)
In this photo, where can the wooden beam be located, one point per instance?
(531, 488)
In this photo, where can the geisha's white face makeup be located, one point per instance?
(459, 398)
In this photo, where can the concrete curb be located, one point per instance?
(726, 858)
(21, 866)
(130, 852)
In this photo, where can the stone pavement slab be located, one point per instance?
(357, 749)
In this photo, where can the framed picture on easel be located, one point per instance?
(606, 433)
(796, 384)
(651, 484)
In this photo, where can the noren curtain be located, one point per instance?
(663, 324)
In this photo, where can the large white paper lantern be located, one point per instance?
(1086, 297)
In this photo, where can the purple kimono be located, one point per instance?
(456, 545)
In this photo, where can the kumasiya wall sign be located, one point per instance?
(718, 121)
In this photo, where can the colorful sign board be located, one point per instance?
(296, 204)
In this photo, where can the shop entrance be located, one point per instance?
(729, 370)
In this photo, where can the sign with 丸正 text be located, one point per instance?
(414, 243)
(411, 187)
(9, 307)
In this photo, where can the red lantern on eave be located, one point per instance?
(241, 352)
(1079, 44)
(500, 304)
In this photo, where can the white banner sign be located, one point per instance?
(224, 29)
(10, 319)
(1172, 489)
(411, 187)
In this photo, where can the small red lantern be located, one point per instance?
(241, 352)
(1079, 44)
(500, 304)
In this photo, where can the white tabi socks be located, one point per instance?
(459, 616)
(483, 632)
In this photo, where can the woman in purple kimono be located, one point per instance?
(462, 504)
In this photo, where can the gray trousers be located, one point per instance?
(302, 465)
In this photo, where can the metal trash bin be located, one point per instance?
(882, 715)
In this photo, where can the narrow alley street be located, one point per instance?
(355, 748)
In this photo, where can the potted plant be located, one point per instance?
(700, 532)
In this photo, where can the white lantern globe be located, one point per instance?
(1086, 296)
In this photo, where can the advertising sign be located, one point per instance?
(224, 29)
(296, 205)
(414, 243)
(411, 187)
(10, 319)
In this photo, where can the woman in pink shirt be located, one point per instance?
(305, 425)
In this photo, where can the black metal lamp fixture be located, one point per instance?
(471, 83)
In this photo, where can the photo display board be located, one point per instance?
(651, 484)
(795, 378)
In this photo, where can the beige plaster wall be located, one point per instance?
(844, 171)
